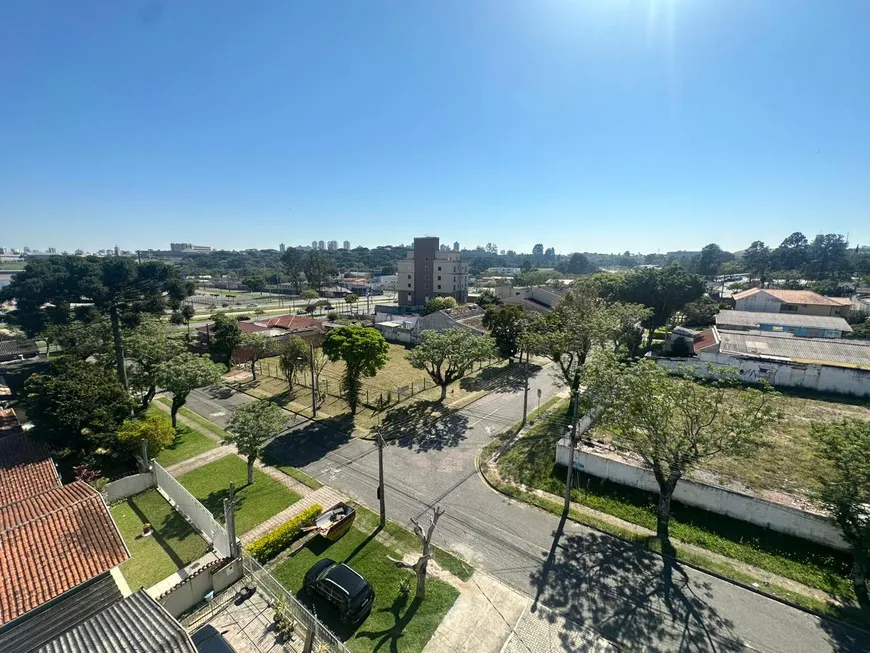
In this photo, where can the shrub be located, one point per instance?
(272, 543)
(332, 317)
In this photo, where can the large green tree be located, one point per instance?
(844, 482)
(447, 355)
(792, 253)
(224, 335)
(506, 325)
(673, 424)
(292, 260)
(183, 374)
(293, 358)
(116, 287)
(757, 260)
(148, 346)
(828, 257)
(156, 430)
(252, 426)
(258, 347)
(363, 350)
(318, 267)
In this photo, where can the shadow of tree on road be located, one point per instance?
(309, 443)
(631, 596)
(844, 639)
(423, 426)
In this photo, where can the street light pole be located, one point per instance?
(526, 391)
(313, 382)
(381, 498)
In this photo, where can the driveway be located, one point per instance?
(590, 580)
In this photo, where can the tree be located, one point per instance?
(155, 430)
(363, 350)
(184, 316)
(350, 299)
(387, 270)
(293, 357)
(148, 346)
(422, 563)
(673, 424)
(828, 257)
(701, 312)
(505, 323)
(711, 260)
(309, 295)
(526, 266)
(185, 373)
(439, 304)
(446, 356)
(538, 250)
(318, 267)
(488, 298)
(255, 282)
(626, 333)
(252, 426)
(76, 397)
(757, 259)
(82, 339)
(224, 337)
(844, 483)
(258, 347)
(550, 254)
(292, 260)
(116, 287)
(792, 253)
(310, 308)
(577, 264)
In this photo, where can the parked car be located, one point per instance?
(342, 587)
(208, 639)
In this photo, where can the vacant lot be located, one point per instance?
(397, 621)
(173, 545)
(255, 503)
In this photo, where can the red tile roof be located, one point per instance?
(292, 323)
(51, 543)
(9, 423)
(795, 297)
(244, 327)
(25, 469)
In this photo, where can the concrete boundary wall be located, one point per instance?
(214, 577)
(719, 500)
(189, 506)
(128, 486)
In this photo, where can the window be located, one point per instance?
(439, 276)
(409, 276)
(409, 285)
(439, 286)
(439, 268)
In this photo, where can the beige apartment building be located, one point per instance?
(428, 273)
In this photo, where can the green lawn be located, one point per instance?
(292, 472)
(397, 623)
(530, 462)
(194, 417)
(255, 503)
(173, 545)
(188, 443)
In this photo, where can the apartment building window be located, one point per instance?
(439, 286)
(409, 285)
(439, 268)
(439, 276)
(409, 276)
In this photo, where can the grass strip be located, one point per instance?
(297, 474)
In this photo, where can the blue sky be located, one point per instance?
(597, 125)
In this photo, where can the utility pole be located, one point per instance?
(381, 498)
(526, 391)
(230, 521)
(313, 381)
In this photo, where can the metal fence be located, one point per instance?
(189, 506)
(324, 639)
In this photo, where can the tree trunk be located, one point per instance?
(443, 392)
(119, 347)
(253, 370)
(663, 510)
(649, 337)
(421, 581)
(176, 404)
(251, 460)
(148, 397)
(859, 579)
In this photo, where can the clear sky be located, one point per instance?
(589, 125)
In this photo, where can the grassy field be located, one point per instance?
(530, 462)
(173, 545)
(397, 621)
(188, 443)
(789, 462)
(255, 503)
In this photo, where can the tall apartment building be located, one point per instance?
(456, 246)
(313, 244)
(332, 245)
(320, 245)
(282, 248)
(428, 272)
(346, 244)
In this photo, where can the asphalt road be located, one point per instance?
(597, 581)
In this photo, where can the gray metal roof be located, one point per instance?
(137, 624)
(751, 319)
(834, 351)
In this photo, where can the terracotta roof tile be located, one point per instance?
(51, 543)
(26, 469)
(9, 423)
(794, 296)
(292, 323)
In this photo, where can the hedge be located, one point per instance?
(272, 543)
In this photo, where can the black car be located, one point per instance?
(209, 640)
(348, 592)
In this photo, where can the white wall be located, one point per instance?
(128, 486)
(786, 374)
(774, 516)
(192, 590)
(759, 302)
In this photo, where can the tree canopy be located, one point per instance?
(183, 374)
(506, 325)
(223, 337)
(439, 304)
(252, 425)
(363, 350)
(447, 355)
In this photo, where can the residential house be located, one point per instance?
(810, 326)
(428, 272)
(407, 330)
(802, 302)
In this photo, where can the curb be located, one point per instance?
(715, 574)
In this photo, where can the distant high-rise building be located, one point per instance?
(313, 244)
(52, 250)
(26, 250)
(320, 245)
(428, 272)
(332, 245)
(281, 248)
(117, 251)
(456, 247)
(346, 244)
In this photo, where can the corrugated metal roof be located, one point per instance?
(752, 319)
(138, 623)
(830, 351)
